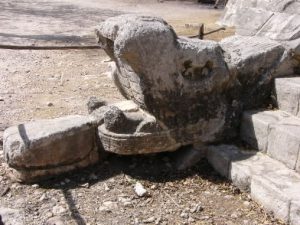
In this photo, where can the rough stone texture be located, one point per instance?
(273, 132)
(49, 147)
(288, 94)
(193, 90)
(270, 182)
(220, 157)
(295, 213)
(276, 191)
(12, 216)
(139, 134)
(284, 141)
(153, 65)
(127, 106)
(272, 198)
(115, 120)
(277, 20)
(189, 156)
(281, 26)
(255, 127)
(95, 103)
(260, 16)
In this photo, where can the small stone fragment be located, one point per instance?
(57, 220)
(139, 189)
(95, 103)
(149, 220)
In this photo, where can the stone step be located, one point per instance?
(288, 94)
(270, 182)
(275, 133)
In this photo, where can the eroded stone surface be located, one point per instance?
(255, 127)
(275, 133)
(194, 90)
(48, 147)
(12, 216)
(270, 182)
(288, 94)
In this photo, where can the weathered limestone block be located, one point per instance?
(284, 141)
(275, 133)
(48, 147)
(278, 192)
(295, 213)
(277, 20)
(270, 182)
(288, 94)
(281, 26)
(253, 63)
(255, 127)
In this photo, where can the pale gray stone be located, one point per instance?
(127, 106)
(189, 156)
(255, 127)
(49, 147)
(272, 198)
(252, 56)
(281, 26)
(276, 190)
(244, 169)
(249, 21)
(288, 94)
(168, 76)
(295, 213)
(284, 141)
(12, 216)
(95, 103)
(220, 157)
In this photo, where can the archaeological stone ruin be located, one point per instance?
(182, 91)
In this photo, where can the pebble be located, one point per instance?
(196, 208)
(106, 188)
(246, 203)
(149, 220)
(108, 206)
(184, 215)
(139, 189)
(35, 186)
(191, 220)
(49, 104)
(58, 210)
(55, 221)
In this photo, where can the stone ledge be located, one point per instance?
(270, 182)
(275, 133)
(288, 94)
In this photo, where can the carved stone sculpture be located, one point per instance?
(195, 89)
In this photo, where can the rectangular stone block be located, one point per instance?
(284, 141)
(288, 94)
(49, 147)
(276, 190)
(255, 127)
(270, 197)
(220, 157)
(243, 170)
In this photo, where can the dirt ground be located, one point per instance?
(47, 84)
